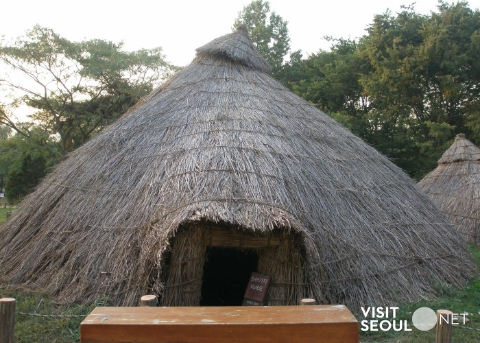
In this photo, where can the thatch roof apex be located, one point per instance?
(238, 47)
(461, 150)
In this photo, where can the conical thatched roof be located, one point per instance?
(223, 142)
(454, 186)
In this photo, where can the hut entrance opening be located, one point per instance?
(209, 264)
(225, 275)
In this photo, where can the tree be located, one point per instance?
(424, 81)
(406, 87)
(268, 32)
(25, 160)
(452, 47)
(4, 132)
(330, 80)
(75, 88)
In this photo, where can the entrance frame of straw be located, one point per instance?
(280, 255)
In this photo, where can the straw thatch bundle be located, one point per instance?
(454, 186)
(224, 146)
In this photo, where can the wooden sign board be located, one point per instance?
(257, 287)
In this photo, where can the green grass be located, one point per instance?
(66, 330)
(3, 214)
(465, 300)
(30, 329)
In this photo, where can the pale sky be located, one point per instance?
(181, 26)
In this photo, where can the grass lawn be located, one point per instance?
(30, 329)
(3, 214)
(465, 300)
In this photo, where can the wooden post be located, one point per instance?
(8, 214)
(149, 300)
(7, 319)
(444, 326)
(308, 301)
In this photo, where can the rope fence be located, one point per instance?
(7, 318)
(466, 328)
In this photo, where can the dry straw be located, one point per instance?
(454, 186)
(223, 143)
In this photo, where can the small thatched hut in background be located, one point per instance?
(220, 172)
(454, 186)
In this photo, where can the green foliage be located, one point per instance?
(76, 88)
(268, 32)
(472, 110)
(407, 87)
(25, 160)
(20, 182)
(3, 212)
(330, 80)
(292, 70)
(465, 300)
(30, 329)
(4, 132)
(424, 76)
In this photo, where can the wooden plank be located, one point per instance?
(320, 323)
(242, 240)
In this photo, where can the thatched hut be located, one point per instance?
(454, 186)
(220, 172)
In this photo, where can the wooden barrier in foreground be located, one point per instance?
(7, 320)
(302, 324)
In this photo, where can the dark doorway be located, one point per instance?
(225, 276)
